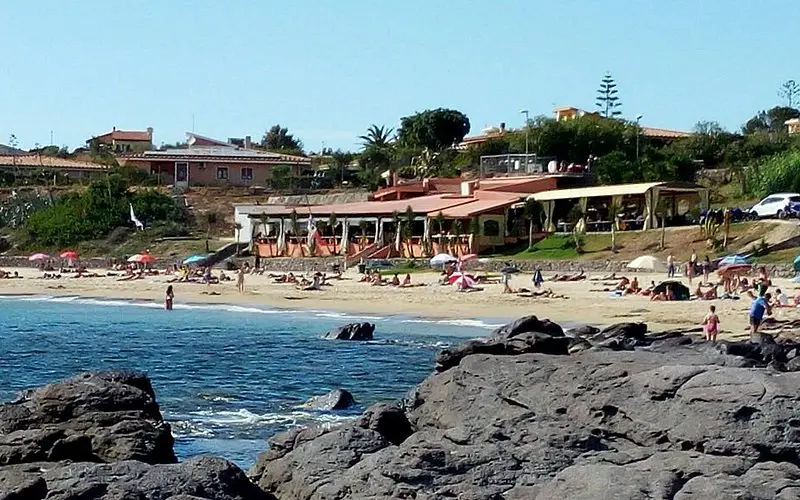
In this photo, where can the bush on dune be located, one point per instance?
(97, 213)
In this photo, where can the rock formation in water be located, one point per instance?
(536, 413)
(337, 399)
(101, 436)
(352, 331)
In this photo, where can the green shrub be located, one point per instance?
(778, 173)
(99, 212)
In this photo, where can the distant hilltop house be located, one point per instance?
(125, 141)
(571, 113)
(793, 125)
(211, 162)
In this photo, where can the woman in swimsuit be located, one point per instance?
(168, 299)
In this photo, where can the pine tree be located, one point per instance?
(607, 100)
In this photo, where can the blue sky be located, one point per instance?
(329, 69)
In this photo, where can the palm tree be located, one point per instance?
(531, 212)
(376, 136)
(295, 230)
(238, 227)
(474, 231)
(408, 230)
(457, 227)
(440, 223)
(332, 224)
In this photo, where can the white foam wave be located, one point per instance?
(244, 417)
(475, 323)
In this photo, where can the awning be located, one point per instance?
(615, 190)
(474, 208)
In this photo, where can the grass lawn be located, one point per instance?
(631, 244)
(778, 257)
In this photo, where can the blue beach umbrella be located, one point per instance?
(796, 263)
(195, 259)
(733, 260)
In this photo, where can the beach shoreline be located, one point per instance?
(586, 302)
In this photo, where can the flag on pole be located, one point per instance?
(134, 219)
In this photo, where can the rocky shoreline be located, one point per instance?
(531, 412)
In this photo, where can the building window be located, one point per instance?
(222, 173)
(491, 228)
(247, 174)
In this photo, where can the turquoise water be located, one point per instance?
(226, 377)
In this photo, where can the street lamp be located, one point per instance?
(638, 129)
(527, 128)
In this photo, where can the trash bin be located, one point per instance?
(362, 268)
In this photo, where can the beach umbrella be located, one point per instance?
(468, 257)
(733, 260)
(463, 282)
(458, 275)
(796, 263)
(69, 255)
(38, 256)
(142, 258)
(735, 269)
(646, 262)
(442, 258)
(195, 259)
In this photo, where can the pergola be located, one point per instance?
(650, 193)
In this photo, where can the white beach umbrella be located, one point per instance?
(442, 258)
(646, 263)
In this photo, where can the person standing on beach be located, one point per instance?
(691, 268)
(711, 324)
(706, 269)
(670, 266)
(240, 279)
(169, 298)
(760, 307)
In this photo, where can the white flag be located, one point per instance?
(135, 220)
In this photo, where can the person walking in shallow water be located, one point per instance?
(240, 280)
(169, 298)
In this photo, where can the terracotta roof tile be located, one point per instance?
(36, 161)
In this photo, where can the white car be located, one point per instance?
(777, 205)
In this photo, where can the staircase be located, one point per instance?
(224, 253)
(366, 253)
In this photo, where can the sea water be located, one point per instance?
(226, 377)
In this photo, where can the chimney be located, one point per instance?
(467, 188)
(502, 127)
(113, 129)
(248, 142)
(150, 133)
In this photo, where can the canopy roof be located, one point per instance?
(615, 190)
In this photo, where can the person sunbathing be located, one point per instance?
(395, 280)
(406, 281)
(649, 290)
(660, 296)
(139, 275)
(623, 284)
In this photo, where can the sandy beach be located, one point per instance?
(585, 301)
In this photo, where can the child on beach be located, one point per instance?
(711, 324)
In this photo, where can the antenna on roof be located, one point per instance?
(193, 123)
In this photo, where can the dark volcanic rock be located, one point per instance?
(526, 335)
(353, 331)
(92, 417)
(100, 436)
(337, 399)
(388, 420)
(203, 477)
(667, 418)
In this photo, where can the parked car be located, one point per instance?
(780, 205)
